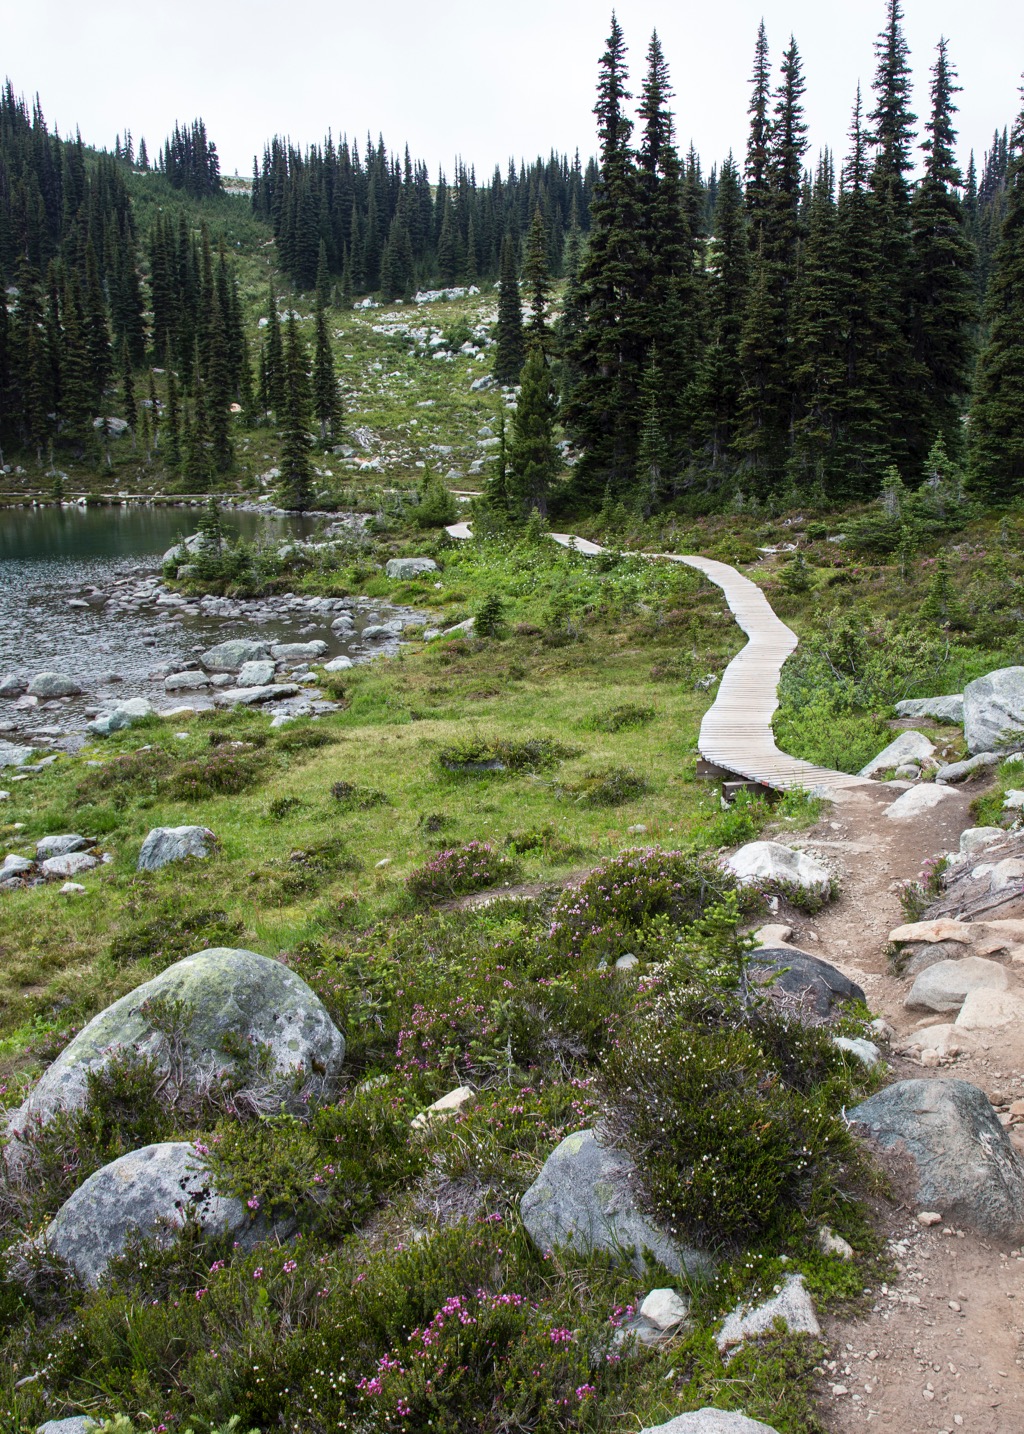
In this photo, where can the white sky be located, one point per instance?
(471, 77)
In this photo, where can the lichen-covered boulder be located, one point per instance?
(409, 567)
(230, 656)
(220, 1014)
(967, 1169)
(122, 715)
(583, 1198)
(993, 709)
(13, 754)
(299, 651)
(150, 1193)
(53, 684)
(167, 844)
(940, 709)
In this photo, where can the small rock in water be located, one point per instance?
(53, 684)
(13, 686)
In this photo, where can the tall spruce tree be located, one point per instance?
(509, 344)
(997, 412)
(756, 170)
(719, 382)
(296, 468)
(537, 281)
(943, 303)
(326, 404)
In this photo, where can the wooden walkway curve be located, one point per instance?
(736, 732)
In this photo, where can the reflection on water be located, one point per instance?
(49, 555)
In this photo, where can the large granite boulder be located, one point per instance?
(121, 715)
(967, 1169)
(192, 680)
(814, 982)
(60, 845)
(907, 747)
(14, 755)
(917, 802)
(150, 1192)
(53, 684)
(769, 863)
(945, 985)
(220, 1013)
(230, 656)
(60, 868)
(940, 709)
(166, 844)
(960, 771)
(710, 1421)
(299, 651)
(583, 1198)
(409, 567)
(256, 674)
(994, 709)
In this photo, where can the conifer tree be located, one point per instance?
(719, 382)
(943, 307)
(533, 461)
(171, 423)
(537, 281)
(275, 361)
(509, 347)
(759, 140)
(496, 489)
(326, 405)
(128, 403)
(296, 469)
(652, 453)
(997, 412)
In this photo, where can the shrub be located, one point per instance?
(352, 797)
(304, 739)
(629, 895)
(436, 508)
(224, 773)
(731, 1114)
(137, 774)
(305, 870)
(607, 787)
(545, 839)
(490, 620)
(460, 870)
(473, 756)
(621, 718)
(282, 807)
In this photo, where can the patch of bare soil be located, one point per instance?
(943, 1346)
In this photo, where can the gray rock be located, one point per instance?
(967, 1169)
(582, 1198)
(940, 709)
(917, 956)
(15, 866)
(907, 747)
(230, 656)
(975, 839)
(378, 632)
(252, 696)
(188, 545)
(13, 686)
(299, 651)
(151, 1192)
(917, 802)
(61, 868)
(233, 1002)
(710, 1421)
(770, 863)
(960, 771)
(190, 681)
(338, 664)
(167, 844)
(467, 626)
(114, 427)
(409, 567)
(792, 1304)
(11, 755)
(53, 684)
(60, 845)
(809, 978)
(664, 1309)
(256, 674)
(946, 985)
(994, 709)
(122, 715)
(78, 1424)
(866, 1051)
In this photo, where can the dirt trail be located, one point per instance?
(943, 1348)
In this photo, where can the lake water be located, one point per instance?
(50, 557)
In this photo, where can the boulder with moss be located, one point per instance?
(583, 1198)
(221, 1016)
(150, 1194)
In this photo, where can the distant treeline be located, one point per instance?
(386, 228)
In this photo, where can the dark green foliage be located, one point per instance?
(305, 870)
(190, 162)
(223, 773)
(474, 757)
(623, 718)
(296, 467)
(607, 787)
(533, 461)
(509, 344)
(490, 620)
(437, 507)
(732, 1114)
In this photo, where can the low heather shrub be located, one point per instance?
(460, 870)
(353, 798)
(168, 937)
(607, 787)
(474, 756)
(619, 719)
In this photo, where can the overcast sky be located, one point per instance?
(471, 77)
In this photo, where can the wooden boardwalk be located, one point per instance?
(736, 732)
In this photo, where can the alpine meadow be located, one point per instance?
(512, 748)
